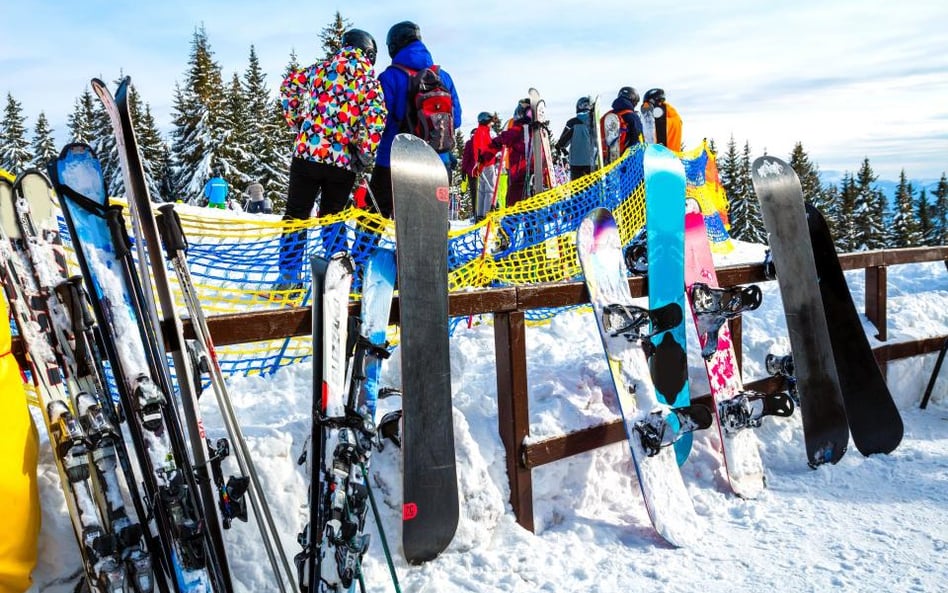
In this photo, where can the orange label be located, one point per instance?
(443, 194)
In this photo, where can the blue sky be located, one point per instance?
(848, 78)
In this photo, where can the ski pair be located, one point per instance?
(78, 413)
(346, 371)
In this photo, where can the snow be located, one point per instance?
(865, 524)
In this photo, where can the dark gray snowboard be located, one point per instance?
(821, 404)
(430, 485)
(874, 419)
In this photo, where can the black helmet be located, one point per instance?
(584, 104)
(655, 96)
(400, 35)
(359, 39)
(523, 109)
(630, 94)
(484, 118)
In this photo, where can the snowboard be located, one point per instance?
(665, 240)
(541, 155)
(611, 130)
(742, 462)
(430, 486)
(825, 427)
(667, 501)
(595, 134)
(874, 419)
(647, 116)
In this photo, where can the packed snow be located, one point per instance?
(865, 524)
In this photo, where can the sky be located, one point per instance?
(867, 524)
(850, 79)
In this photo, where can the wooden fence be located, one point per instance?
(507, 306)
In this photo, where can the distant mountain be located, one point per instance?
(887, 186)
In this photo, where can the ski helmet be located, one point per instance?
(630, 94)
(584, 104)
(484, 118)
(655, 96)
(359, 39)
(400, 35)
(523, 109)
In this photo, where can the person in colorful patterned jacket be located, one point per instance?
(338, 112)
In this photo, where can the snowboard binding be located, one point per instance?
(662, 429)
(782, 366)
(747, 409)
(636, 254)
(714, 306)
(630, 321)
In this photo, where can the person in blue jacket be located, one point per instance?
(406, 49)
(216, 190)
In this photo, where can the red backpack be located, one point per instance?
(430, 113)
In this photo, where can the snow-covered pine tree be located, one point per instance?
(331, 35)
(904, 230)
(235, 155)
(81, 122)
(923, 212)
(15, 155)
(270, 138)
(843, 209)
(813, 190)
(868, 213)
(744, 212)
(196, 109)
(154, 150)
(44, 146)
(940, 216)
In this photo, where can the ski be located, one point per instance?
(667, 501)
(665, 240)
(340, 444)
(540, 152)
(90, 416)
(743, 466)
(825, 428)
(207, 456)
(430, 487)
(138, 362)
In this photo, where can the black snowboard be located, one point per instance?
(874, 419)
(430, 486)
(825, 427)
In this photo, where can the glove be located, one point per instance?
(358, 159)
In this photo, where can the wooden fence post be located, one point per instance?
(513, 416)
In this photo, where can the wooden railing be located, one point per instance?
(507, 306)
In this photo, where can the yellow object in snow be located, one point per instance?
(18, 487)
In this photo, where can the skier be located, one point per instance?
(578, 136)
(667, 120)
(256, 201)
(513, 139)
(215, 190)
(337, 109)
(631, 129)
(485, 165)
(18, 486)
(407, 52)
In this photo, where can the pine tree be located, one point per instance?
(331, 35)
(926, 227)
(904, 231)
(15, 155)
(940, 214)
(271, 141)
(843, 209)
(44, 147)
(106, 149)
(196, 136)
(80, 121)
(154, 150)
(813, 191)
(734, 170)
(868, 214)
(236, 152)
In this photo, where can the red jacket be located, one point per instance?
(512, 139)
(484, 153)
